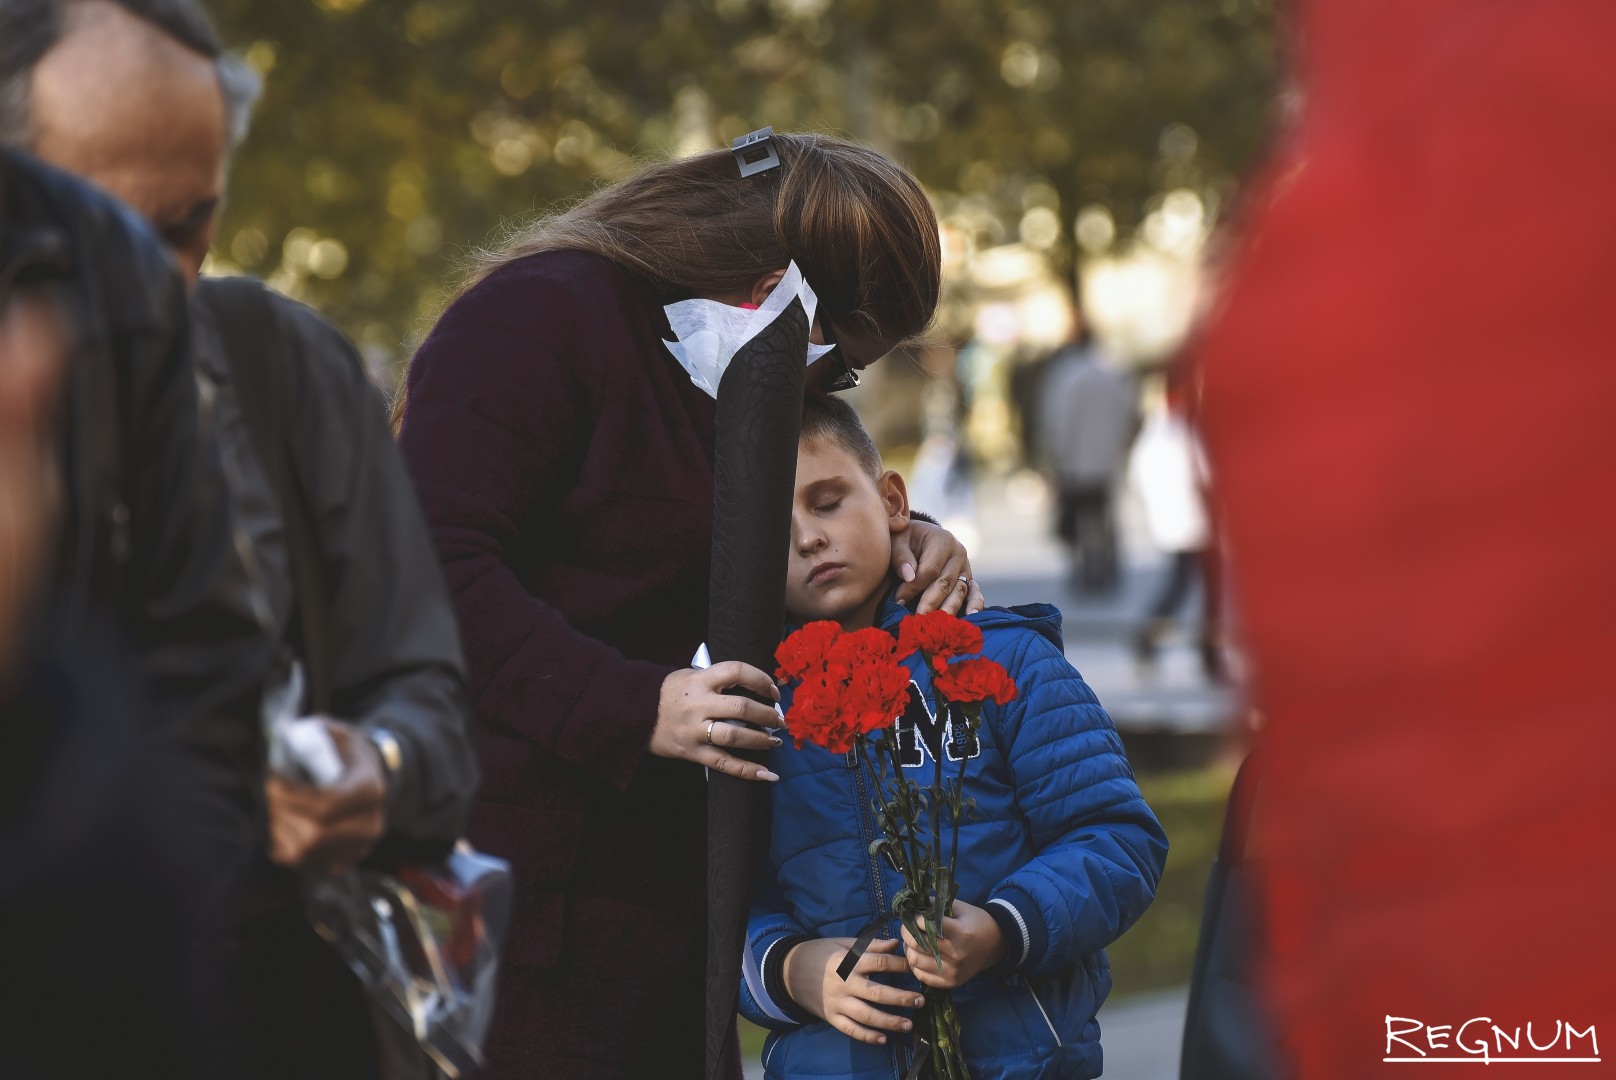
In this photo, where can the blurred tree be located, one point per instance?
(395, 134)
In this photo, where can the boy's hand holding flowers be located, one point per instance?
(970, 943)
(850, 1006)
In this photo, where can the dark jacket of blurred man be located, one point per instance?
(126, 627)
(138, 97)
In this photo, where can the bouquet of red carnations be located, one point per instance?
(851, 687)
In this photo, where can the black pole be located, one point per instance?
(759, 417)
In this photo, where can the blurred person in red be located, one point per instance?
(1408, 387)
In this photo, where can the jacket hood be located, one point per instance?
(1043, 618)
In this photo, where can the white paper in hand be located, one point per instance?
(710, 333)
(704, 660)
(303, 750)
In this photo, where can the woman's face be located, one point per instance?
(855, 350)
(858, 350)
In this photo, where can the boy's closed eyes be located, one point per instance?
(843, 518)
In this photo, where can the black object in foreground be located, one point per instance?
(759, 418)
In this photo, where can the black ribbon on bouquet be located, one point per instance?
(759, 418)
(850, 961)
(917, 1062)
(860, 944)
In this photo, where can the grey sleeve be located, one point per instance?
(195, 611)
(398, 664)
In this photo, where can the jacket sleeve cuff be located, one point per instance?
(775, 999)
(402, 765)
(404, 840)
(1026, 939)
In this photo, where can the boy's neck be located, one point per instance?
(864, 617)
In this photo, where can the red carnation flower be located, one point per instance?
(879, 693)
(975, 680)
(939, 637)
(813, 710)
(805, 651)
(850, 684)
(860, 649)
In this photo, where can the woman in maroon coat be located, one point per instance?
(565, 462)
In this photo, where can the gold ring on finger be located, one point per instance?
(710, 724)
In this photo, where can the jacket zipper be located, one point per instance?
(867, 832)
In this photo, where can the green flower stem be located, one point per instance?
(934, 922)
(929, 887)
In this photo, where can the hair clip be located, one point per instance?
(755, 153)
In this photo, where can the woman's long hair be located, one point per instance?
(858, 225)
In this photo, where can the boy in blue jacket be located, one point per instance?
(1061, 856)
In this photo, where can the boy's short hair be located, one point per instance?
(825, 417)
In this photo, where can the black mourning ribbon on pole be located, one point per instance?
(755, 467)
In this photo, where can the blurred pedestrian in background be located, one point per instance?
(1167, 470)
(1088, 416)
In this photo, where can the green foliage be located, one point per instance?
(1159, 951)
(407, 130)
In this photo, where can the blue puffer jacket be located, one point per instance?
(1062, 851)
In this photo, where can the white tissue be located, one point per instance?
(704, 660)
(710, 333)
(303, 749)
(300, 748)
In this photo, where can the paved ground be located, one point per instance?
(1140, 1036)
(1018, 561)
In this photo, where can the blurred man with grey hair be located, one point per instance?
(139, 97)
(151, 121)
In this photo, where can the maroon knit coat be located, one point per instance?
(564, 461)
